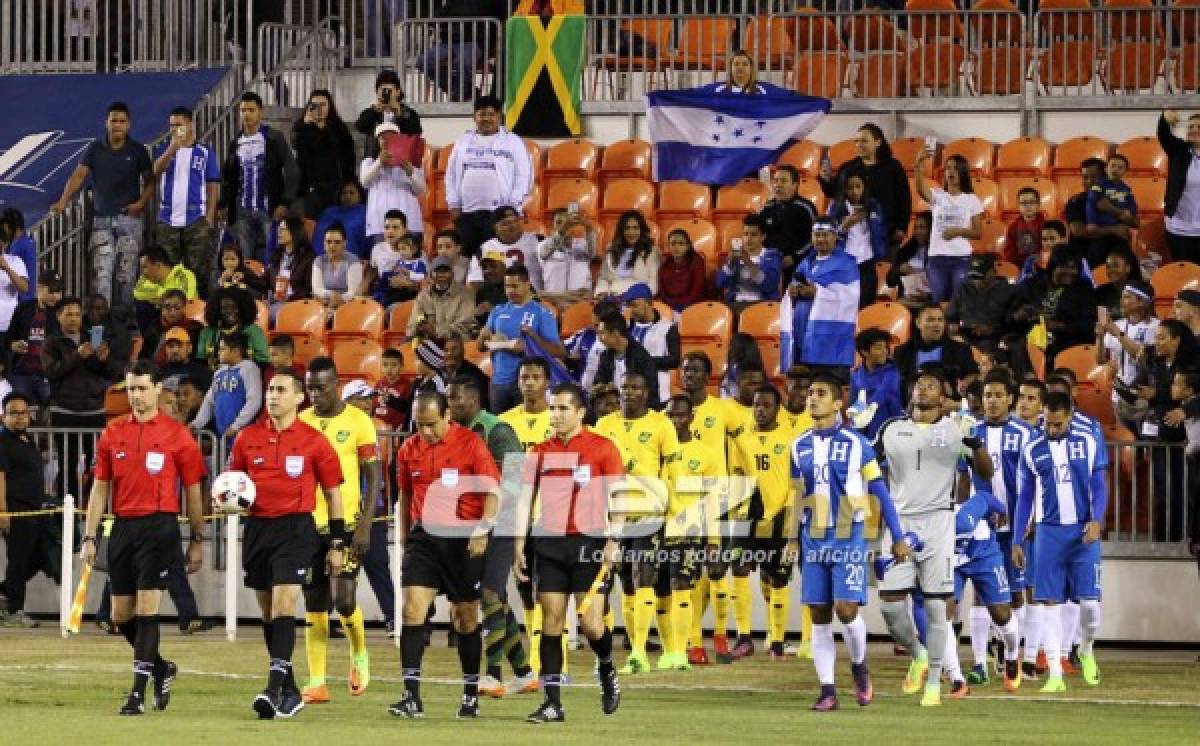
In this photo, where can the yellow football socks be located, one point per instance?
(743, 605)
(316, 645)
(696, 612)
(681, 621)
(666, 630)
(356, 632)
(720, 604)
(777, 615)
(643, 615)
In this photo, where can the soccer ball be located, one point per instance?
(233, 491)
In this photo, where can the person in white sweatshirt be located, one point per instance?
(391, 186)
(489, 168)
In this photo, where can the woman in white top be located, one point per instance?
(336, 275)
(1119, 345)
(957, 218)
(14, 280)
(631, 258)
(391, 186)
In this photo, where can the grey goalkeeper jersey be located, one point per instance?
(922, 463)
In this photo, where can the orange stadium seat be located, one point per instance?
(814, 32)
(1068, 185)
(683, 200)
(892, 318)
(652, 38)
(1134, 66)
(737, 200)
(1024, 156)
(820, 73)
(709, 321)
(1069, 154)
(1187, 69)
(760, 321)
(704, 239)
(1001, 71)
(357, 318)
(704, 43)
(880, 75)
(980, 155)
(194, 310)
(934, 19)
(988, 193)
(563, 193)
(1097, 403)
(993, 237)
(625, 159)
(1054, 23)
(535, 158)
(1011, 186)
(628, 194)
(1150, 192)
(1146, 157)
(570, 159)
(1079, 359)
(770, 352)
(769, 42)
(873, 32)
(533, 201)
(1169, 279)
(397, 323)
(935, 65)
(810, 189)
(116, 402)
(905, 150)
(1068, 64)
(1152, 236)
(1133, 19)
(840, 152)
(918, 202)
(307, 348)
(301, 318)
(575, 317)
(441, 163)
(358, 358)
(1186, 20)
(1004, 26)
(805, 156)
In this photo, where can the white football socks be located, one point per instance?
(856, 639)
(981, 626)
(1089, 622)
(824, 653)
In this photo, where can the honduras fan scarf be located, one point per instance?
(711, 136)
(558, 371)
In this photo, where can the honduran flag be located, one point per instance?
(829, 319)
(709, 135)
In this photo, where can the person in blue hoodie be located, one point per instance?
(864, 232)
(824, 294)
(752, 273)
(877, 380)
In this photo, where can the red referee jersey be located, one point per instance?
(286, 466)
(434, 474)
(573, 479)
(146, 462)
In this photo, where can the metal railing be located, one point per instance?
(444, 63)
(37, 36)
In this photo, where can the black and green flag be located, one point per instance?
(543, 75)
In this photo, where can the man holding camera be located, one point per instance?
(388, 106)
(187, 217)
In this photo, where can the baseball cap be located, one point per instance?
(640, 291)
(51, 279)
(824, 225)
(494, 255)
(357, 387)
(176, 334)
(441, 263)
(386, 127)
(1189, 296)
(981, 264)
(171, 383)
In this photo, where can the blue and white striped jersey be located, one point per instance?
(182, 195)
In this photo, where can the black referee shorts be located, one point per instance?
(318, 573)
(567, 564)
(140, 551)
(443, 564)
(278, 551)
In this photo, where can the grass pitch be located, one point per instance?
(62, 691)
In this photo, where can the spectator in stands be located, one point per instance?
(1054, 236)
(659, 336)
(230, 310)
(282, 352)
(179, 361)
(188, 398)
(231, 264)
(788, 217)
(864, 234)
(877, 377)
(33, 323)
(289, 276)
(351, 214)
(633, 258)
(235, 396)
(957, 219)
(1122, 267)
(157, 277)
(172, 312)
(1089, 241)
(1111, 203)
(324, 153)
(1174, 350)
(1185, 391)
(336, 275)
(1119, 344)
(79, 371)
(489, 291)
(386, 251)
(517, 244)
(1062, 300)
(1187, 308)
(752, 273)
(431, 372)
(387, 108)
(393, 395)
(930, 344)
(391, 185)
(605, 399)
(119, 331)
(17, 243)
(447, 244)
(14, 280)
(506, 331)
(121, 176)
(1023, 238)
(259, 181)
(443, 306)
(1182, 202)
(462, 47)
(489, 168)
(455, 364)
(623, 356)
(744, 356)
(908, 269)
(886, 179)
(584, 346)
(979, 310)
(683, 276)
(189, 175)
(404, 277)
(824, 293)
(565, 258)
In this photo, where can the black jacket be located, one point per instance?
(325, 157)
(407, 121)
(957, 360)
(1179, 159)
(887, 183)
(637, 360)
(789, 226)
(78, 384)
(282, 174)
(20, 326)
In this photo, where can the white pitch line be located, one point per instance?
(639, 685)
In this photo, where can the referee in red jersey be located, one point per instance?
(575, 471)
(141, 461)
(286, 459)
(439, 556)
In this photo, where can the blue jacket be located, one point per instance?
(768, 288)
(876, 225)
(883, 387)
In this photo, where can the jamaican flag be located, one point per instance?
(543, 71)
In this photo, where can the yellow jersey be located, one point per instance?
(718, 419)
(766, 457)
(648, 447)
(352, 435)
(531, 429)
(695, 502)
(799, 424)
